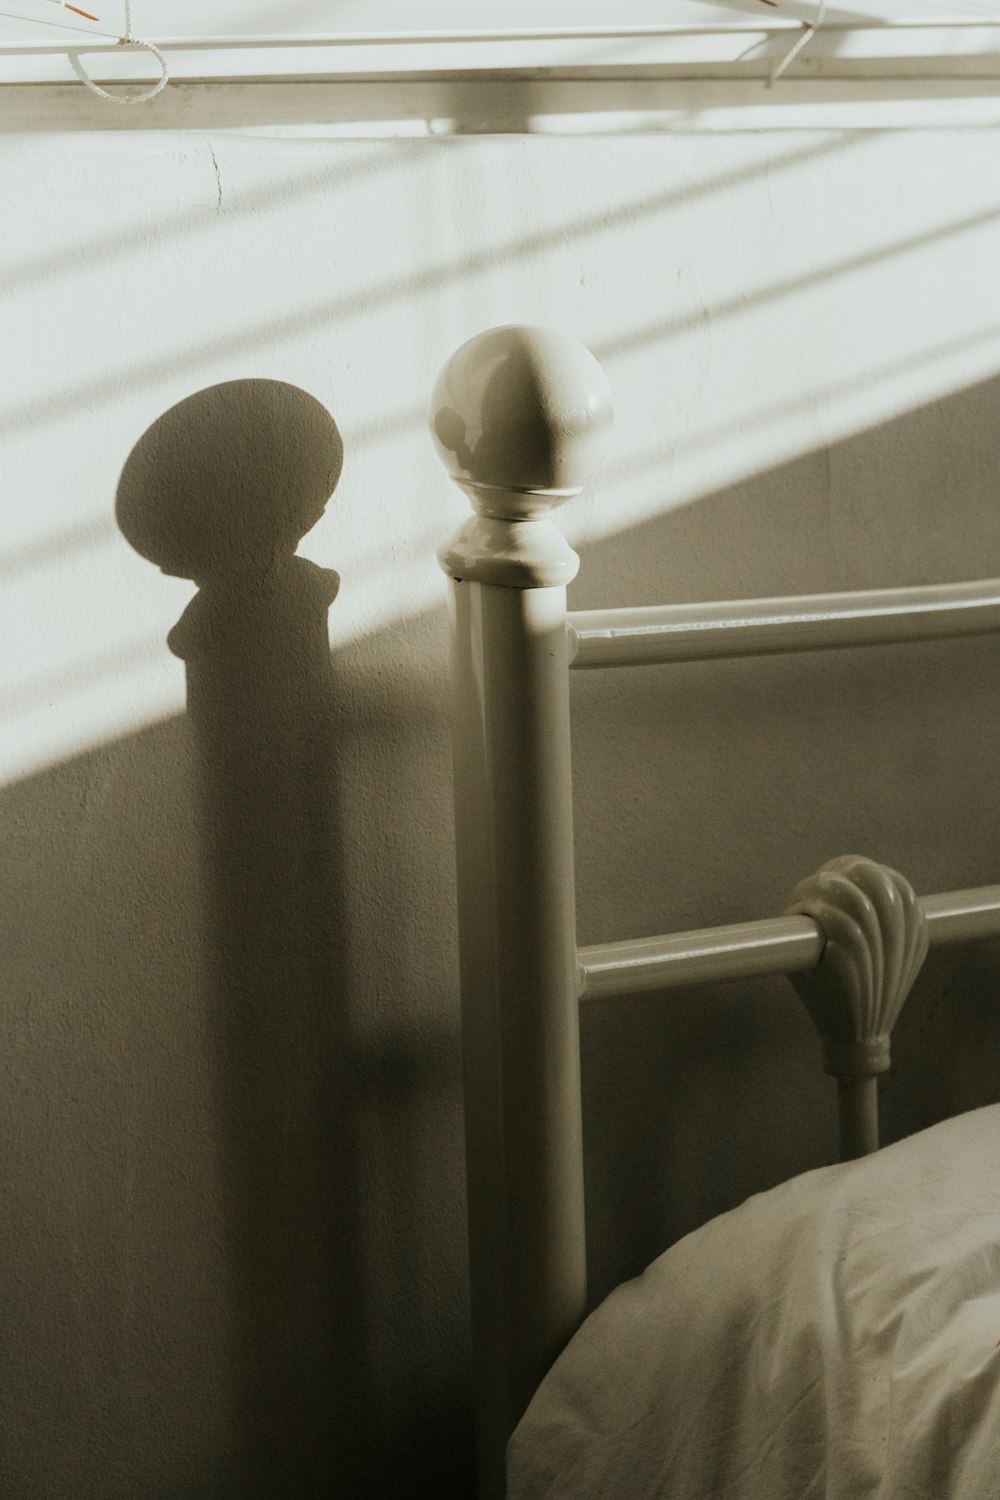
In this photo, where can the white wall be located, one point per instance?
(231, 1254)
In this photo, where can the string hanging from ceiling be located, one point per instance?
(128, 40)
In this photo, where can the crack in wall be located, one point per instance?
(218, 175)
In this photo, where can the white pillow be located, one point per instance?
(832, 1339)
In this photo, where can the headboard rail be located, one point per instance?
(658, 634)
(772, 946)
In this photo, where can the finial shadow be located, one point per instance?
(220, 489)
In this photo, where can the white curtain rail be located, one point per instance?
(763, 627)
(763, 25)
(412, 38)
(779, 945)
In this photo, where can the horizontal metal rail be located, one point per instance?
(765, 627)
(779, 945)
(766, 25)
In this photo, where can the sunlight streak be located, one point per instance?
(753, 301)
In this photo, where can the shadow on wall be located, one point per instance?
(233, 1244)
(220, 1163)
(220, 490)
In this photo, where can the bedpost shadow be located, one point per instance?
(220, 489)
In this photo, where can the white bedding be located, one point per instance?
(836, 1337)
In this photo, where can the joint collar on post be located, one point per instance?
(521, 418)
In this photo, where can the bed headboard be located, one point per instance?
(522, 418)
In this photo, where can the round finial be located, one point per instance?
(522, 418)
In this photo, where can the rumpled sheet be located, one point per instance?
(835, 1338)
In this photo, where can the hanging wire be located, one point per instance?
(62, 25)
(77, 11)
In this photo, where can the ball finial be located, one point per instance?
(522, 418)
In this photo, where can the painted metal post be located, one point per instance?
(521, 418)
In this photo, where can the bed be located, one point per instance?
(838, 1336)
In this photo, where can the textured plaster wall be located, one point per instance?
(232, 1240)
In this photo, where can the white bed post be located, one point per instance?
(521, 418)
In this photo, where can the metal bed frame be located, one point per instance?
(522, 418)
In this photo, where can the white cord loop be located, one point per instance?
(132, 41)
(810, 31)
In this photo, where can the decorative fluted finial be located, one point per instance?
(522, 418)
(876, 942)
